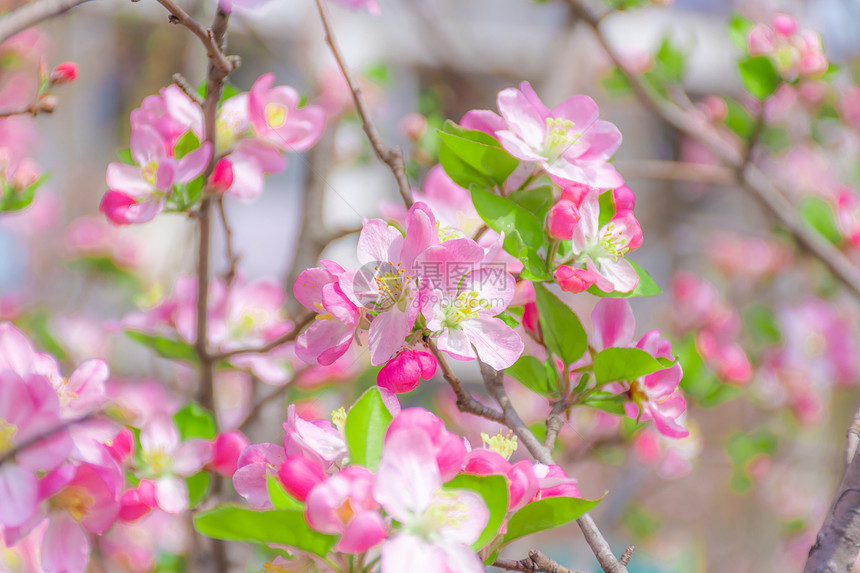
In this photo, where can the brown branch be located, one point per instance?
(186, 87)
(393, 157)
(750, 178)
(853, 438)
(678, 171)
(211, 38)
(47, 434)
(465, 402)
(838, 542)
(536, 562)
(273, 395)
(229, 253)
(627, 555)
(269, 346)
(33, 13)
(554, 422)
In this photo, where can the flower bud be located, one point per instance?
(226, 451)
(413, 126)
(574, 280)
(760, 40)
(403, 372)
(65, 73)
(299, 476)
(222, 176)
(562, 219)
(784, 25)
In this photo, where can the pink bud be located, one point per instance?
(122, 446)
(575, 192)
(531, 321)
(523, 484)
(784, 25)
(227, 449)
(403, 372)
(760, 40)
(716, 107)
(574, 280)
(299, 476)
(64, 73)
(413, 126)
(562, 219)
(115, 206)
(222, 176)
(137, 502)
(624, 200)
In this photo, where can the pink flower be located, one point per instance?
(330, 335)
(403, 372)
(602, 249)
(66, 72)
(278, 120)
(760, 40)
(299, 476)
(387, 284)
(315, 439)
(447, 448)
(575, 280)
(254, 466)
(553, 482)
(227, 448)
(171, 114)
(461, 302)
(137, 502)
(562, 219)
(654, 396)
(568, 141)
(344, 505)
(436, 525)
(137, 192)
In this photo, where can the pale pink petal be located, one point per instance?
(408, 476)
(613, 322)
(128, 179)
(410, 553)
(579, 109)
(191, 456)
(171, 493)
(497, 344)
(65, 547)
(19, 492)
(193, 164)
(387, 334)
(522, 117)
(366, 530)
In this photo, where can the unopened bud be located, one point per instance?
(64, 73)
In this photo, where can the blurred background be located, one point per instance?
(746, 491)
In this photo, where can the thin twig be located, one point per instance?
(186, 87)
(393, 157)
(465, 402)
(211, 40)
(232, 258)
(269, 346)
(33, 13)
(752, 179)
(536, 562)
(29, 110)
(47, 434)
(273, 395)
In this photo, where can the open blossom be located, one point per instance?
(138, 192)
(461, 304)
(447, 448)
(654, 396)
(601, 249)
(436, 525)
(277, 119)
(567, 141)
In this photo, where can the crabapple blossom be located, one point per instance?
(277, 118)
(447, 448)
(403, 372)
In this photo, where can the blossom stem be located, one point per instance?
(33, 13)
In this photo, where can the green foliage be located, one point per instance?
(762, 325)
(546, 514)
(366, 423)
(607, 401)
(759, 76)
(494, 490)
(738, 29)
(198, 487)
(699, 382)
(819, 215)
(195, 421)
(563, 333)
(670, 60)
(284, 527)
(646, 287)
(743, 449)
(12, 199)
(165, 347)
(279, 497)
(185, 145)
(613, 364)
(606, 205)
(738, 119)
(521, 227)
(533, 374)
(474, 157)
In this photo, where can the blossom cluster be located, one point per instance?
(796, 53)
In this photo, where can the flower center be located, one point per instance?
(465, 306)
(272, 568)
(447, 509)
(156, 460)
(7, 432)
(149, 172)
(559, 137)
(276, 115)
(391, 285)
(76, 500)
(338, 418)
(504, 445)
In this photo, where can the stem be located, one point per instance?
(33, 13)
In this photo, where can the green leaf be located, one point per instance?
(234, 523)
(195, 421)
(480, 151)
(608, 402)
(738, 29)
(670, 60)
(503, 215)
(545, 514)
(532, 374)
(743, 448)
(738, 119)
(494, 490)
(563, 333)
(185, 145)
(537, 201)
(279, 497)
(366, 423)
(12, 199)
(646, 287)
(508, 319)
(616, 83)
(606, 206)
(198, 487)
(164, 347)
(125, 157)
(760, 76)
(534, 269)
(461, 172)
(762, 324)
(819, 215)
(612, 364)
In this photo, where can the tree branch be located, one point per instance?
(269, 346)
(536, 562)
(48, 434)
(229, 253)
(33, 13)
(750, 177)
(838, 542)
(392, 157)
(465, 402)
(211, 38)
